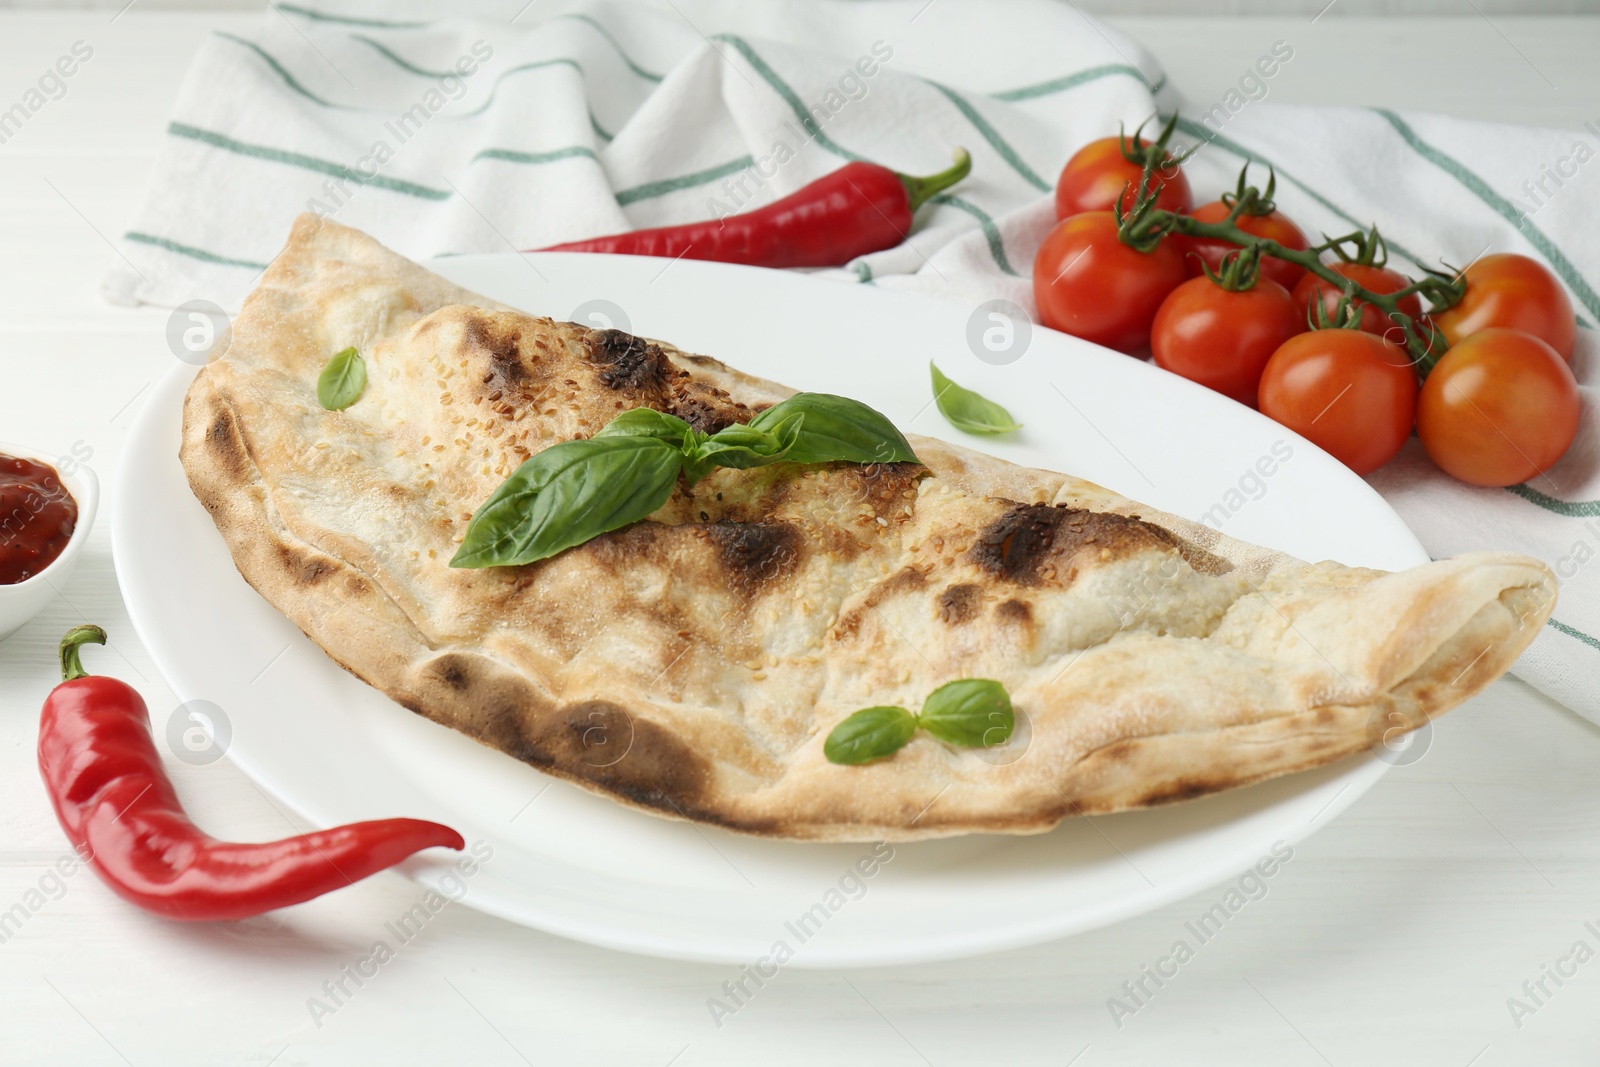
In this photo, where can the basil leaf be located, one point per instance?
(870, 734)
(838, 428)
(741, 447)
(744, 447)
(974, 712)
(648, 422)
(568, 494)
(342, 380)
(967, 411)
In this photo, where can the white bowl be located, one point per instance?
(21, 601)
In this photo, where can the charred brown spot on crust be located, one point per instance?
(454, 670)
(1014, 611)
(226, 442)
(1025, 543)
(592, 741)
(883, 486)
(627, 362)
(1172, 792)
(1201, 560)
(1119, 750)
(905, 580)
(621, 548)
(959, 604)
(707, 409)
(756, 553)
(631, 756)
(503, 347)
(303, 567)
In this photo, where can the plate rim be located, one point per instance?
(1361, 772)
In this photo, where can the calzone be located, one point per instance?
(692, 664)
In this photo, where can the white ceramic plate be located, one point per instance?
(580, 866)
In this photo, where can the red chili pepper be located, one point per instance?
(118, 809)
(859, 208)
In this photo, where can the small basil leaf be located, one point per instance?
(967, 411)
(568, 494)
(870, 734)
(838, 428)
(648, 422)
(974, 712)
(342, 380)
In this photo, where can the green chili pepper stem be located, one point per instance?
(920, 188)
(72, 643)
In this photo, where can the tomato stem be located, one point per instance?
(1145, 225)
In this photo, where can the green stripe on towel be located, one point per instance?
(1194, 129)
(1572, 510)
(651, 190)
(347, 20)
(512, 156)
(282, 72)
(790, 97)
(586, 20)
(1072, 81)
(1503, 207)
(401, 61)
(991, 232)
(193, 253)
(304, 162)
(1574, 632)
(992, 135)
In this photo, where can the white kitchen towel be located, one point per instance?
(524, 124)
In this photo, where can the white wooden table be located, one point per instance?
(1395, 935)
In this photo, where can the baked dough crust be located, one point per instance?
(692, 664)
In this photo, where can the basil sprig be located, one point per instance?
(837, 428)
(577, 490)
(971, 712)
(342, 380)
(966, 410)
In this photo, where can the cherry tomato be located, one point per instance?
(1091, 285)
(1517, 293)
(1500, 407)
(1210, 250)
(1098, 173)
(1380, 280)
(1350, 392)
(1223, 339)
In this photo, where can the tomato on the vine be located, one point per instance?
(1517, 293)
(1098, 174)
(1091, 285)
(1352, 393)
(1500, 407)
(1380, 280)
(1211, 250)
(1222, 338)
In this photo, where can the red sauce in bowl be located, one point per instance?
(37, 517)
